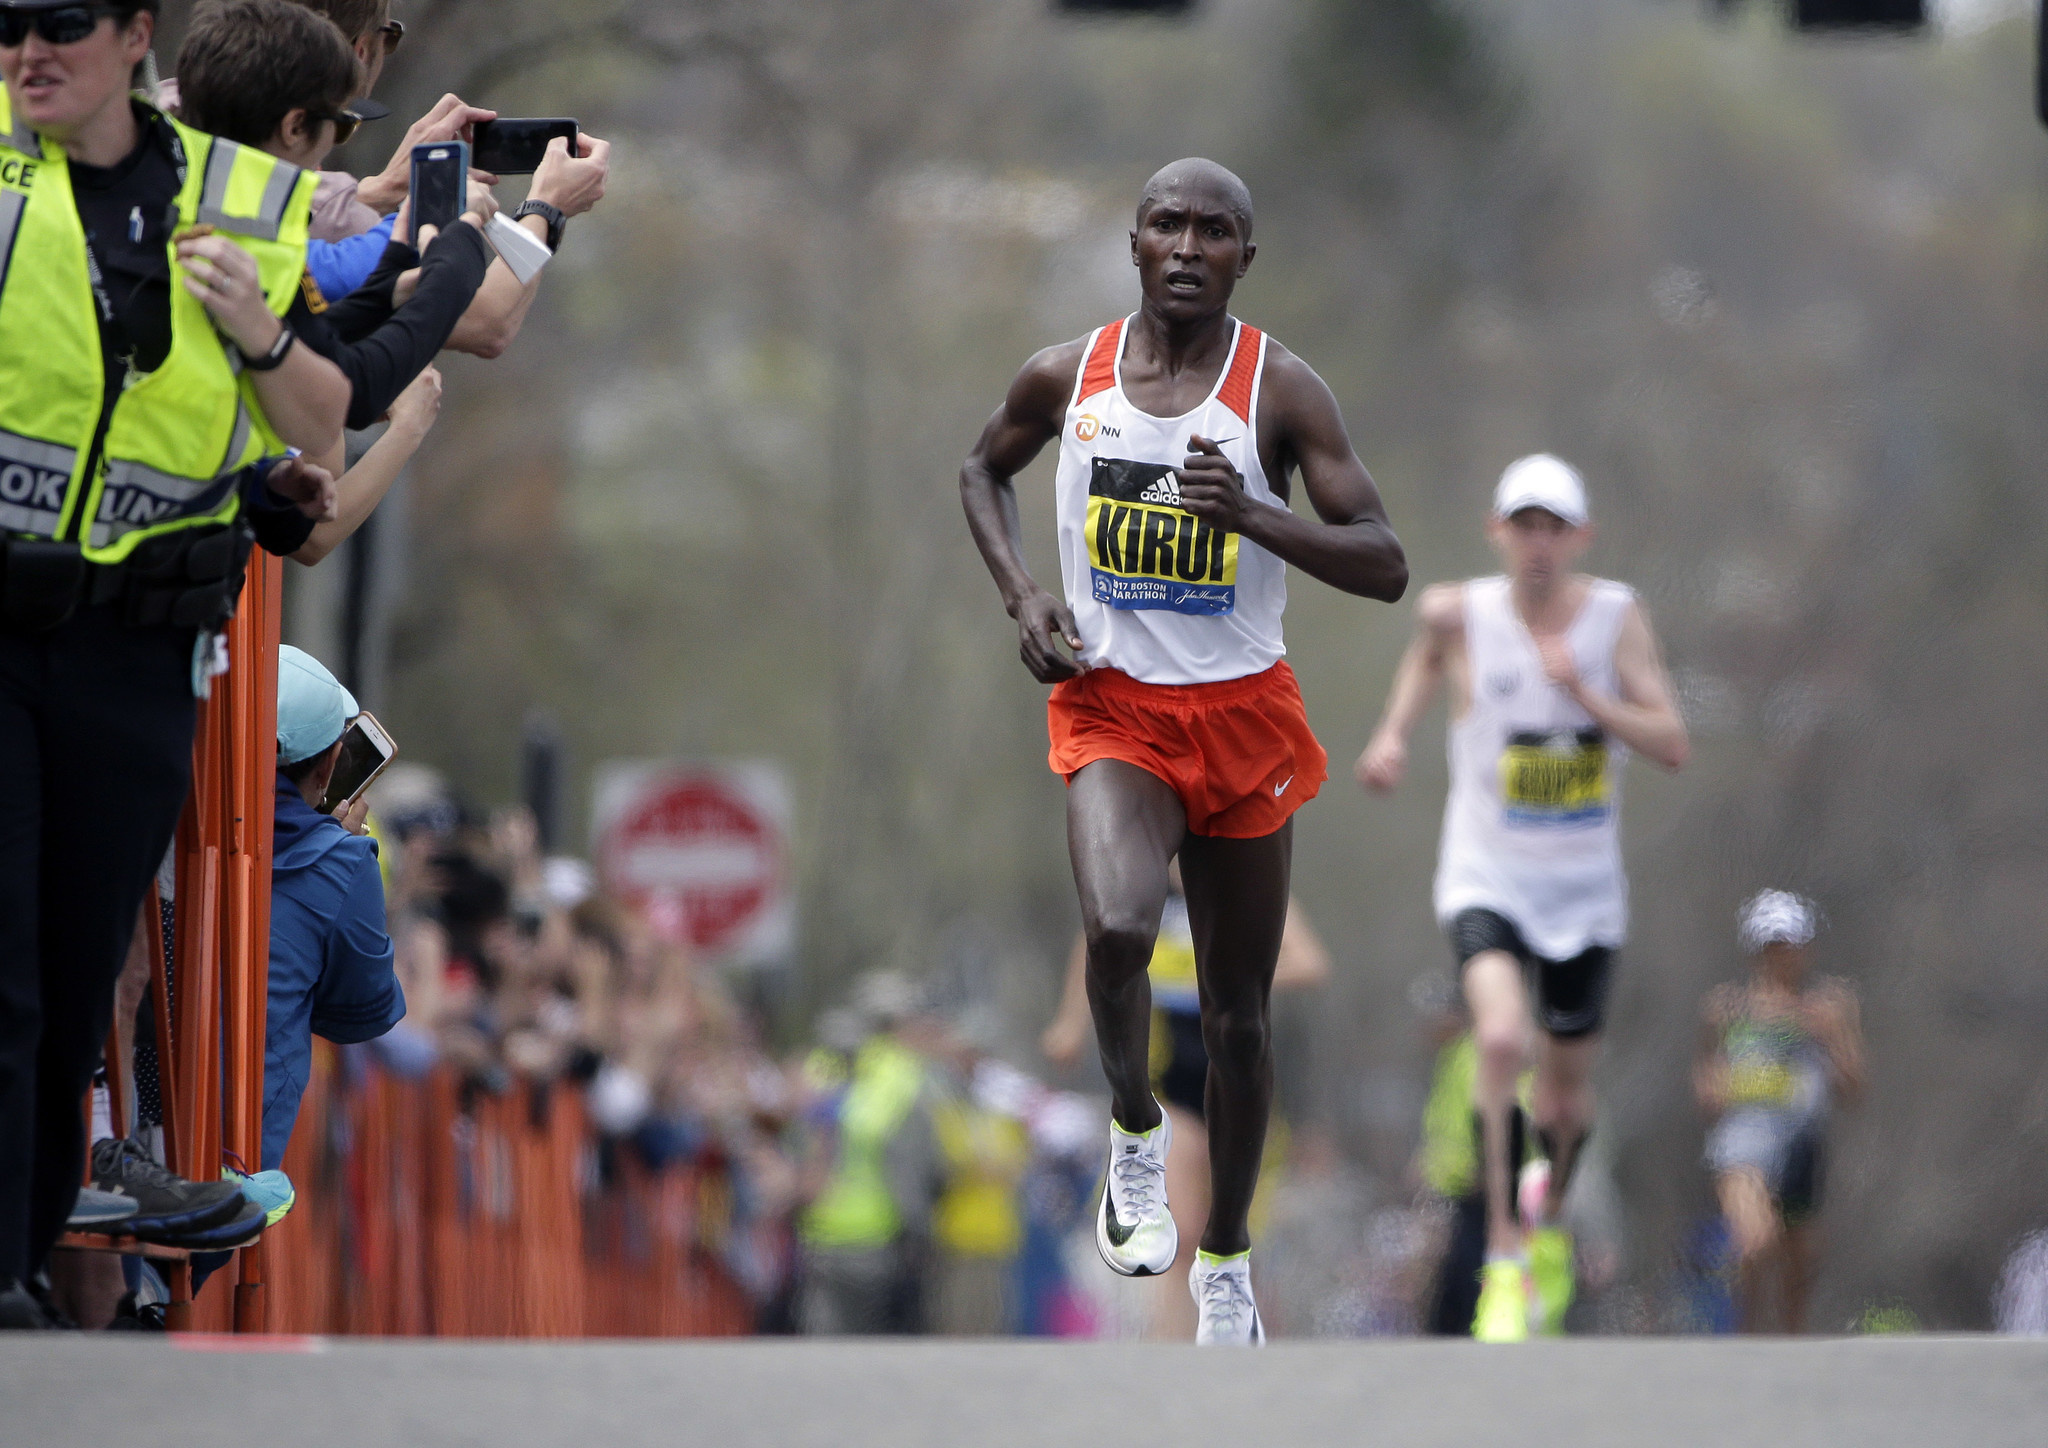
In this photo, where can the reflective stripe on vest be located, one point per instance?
(136, 495)
(33, 479)
(245, 190)
(12, 205)
(177, 437)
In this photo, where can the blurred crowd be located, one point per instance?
(894, 1176)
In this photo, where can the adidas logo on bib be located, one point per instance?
(1165, 492)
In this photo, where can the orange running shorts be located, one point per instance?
(1238, 753)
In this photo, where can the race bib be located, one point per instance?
(1144, 552)
(1555, 779)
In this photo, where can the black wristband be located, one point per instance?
(558, 224)
(273, 359)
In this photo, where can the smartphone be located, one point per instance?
(508, 147)
(440, 183)
(365, 751)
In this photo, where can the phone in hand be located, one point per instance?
(440, 183)
(514, 147)
(366, 750)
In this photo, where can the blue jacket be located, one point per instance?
(339, 267)
(330, 955)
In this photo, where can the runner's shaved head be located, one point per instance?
(1196, 174)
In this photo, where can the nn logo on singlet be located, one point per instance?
(1145, 552)
(1089, 427)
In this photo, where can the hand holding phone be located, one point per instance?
(440, 184)
(367, 750)
(513, 146)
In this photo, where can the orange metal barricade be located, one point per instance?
(415, 1214)
(418, 1215)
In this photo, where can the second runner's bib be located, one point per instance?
(1158, 593)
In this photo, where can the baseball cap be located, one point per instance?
(312, 707)
(1541, 481)
(1776, 917)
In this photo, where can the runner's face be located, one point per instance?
(1190, 249)
(57, 87)
(1537, 547)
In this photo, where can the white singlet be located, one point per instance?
(1532, 824)
(1158, 593)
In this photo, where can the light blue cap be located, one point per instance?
(312, 707)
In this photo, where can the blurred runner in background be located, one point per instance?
(1179, 1061)
(1776, 1051)
(1554, 678)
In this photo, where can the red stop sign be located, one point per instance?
(698, 856)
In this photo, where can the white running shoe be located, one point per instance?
(1133, 1230)
(1222, 1289)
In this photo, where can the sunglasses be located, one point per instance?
(393, 32)
(344, 123)
(62, 25)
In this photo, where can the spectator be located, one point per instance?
(158, 495)
(866, 1236)
(566, 185)
(978, 1225)
(330, 954)
(273, 75)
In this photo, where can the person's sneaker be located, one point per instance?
(1503, 1312)
(46, 1298)
(164, 1201)
(237, 1231)
(98, 1211)
(1550, 1279)
(270, 1190)
(1133, 1230)
(1222, 1289)
(19, 1310)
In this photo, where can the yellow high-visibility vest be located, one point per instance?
(178, 435)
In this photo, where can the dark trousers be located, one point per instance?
(96, 722)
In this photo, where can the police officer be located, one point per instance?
(149, 389)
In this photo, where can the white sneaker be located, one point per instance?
(1222, 1289)
(1133, 1230)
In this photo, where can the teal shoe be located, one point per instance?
(270, 1190)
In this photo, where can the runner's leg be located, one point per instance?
(1237, 907)
(1499, 1002)
(1123, 827)
(1563, 1105)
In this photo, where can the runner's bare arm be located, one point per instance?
(1834, 1015)
(1439, 623)
(1644, 717)
(1028, 419)
(1353, 546)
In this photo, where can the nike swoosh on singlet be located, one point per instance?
(1281, 788)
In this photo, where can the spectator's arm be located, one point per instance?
(570, 184)
(358, 997)
(363, 486)
(383, 364)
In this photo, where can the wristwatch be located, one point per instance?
(557, 222)
(274, 358)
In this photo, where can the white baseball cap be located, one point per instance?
(1776, 917)
(1542, 481)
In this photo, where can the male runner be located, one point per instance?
(1178, 727)
(1554, 678)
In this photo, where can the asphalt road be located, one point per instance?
(56, 1392)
